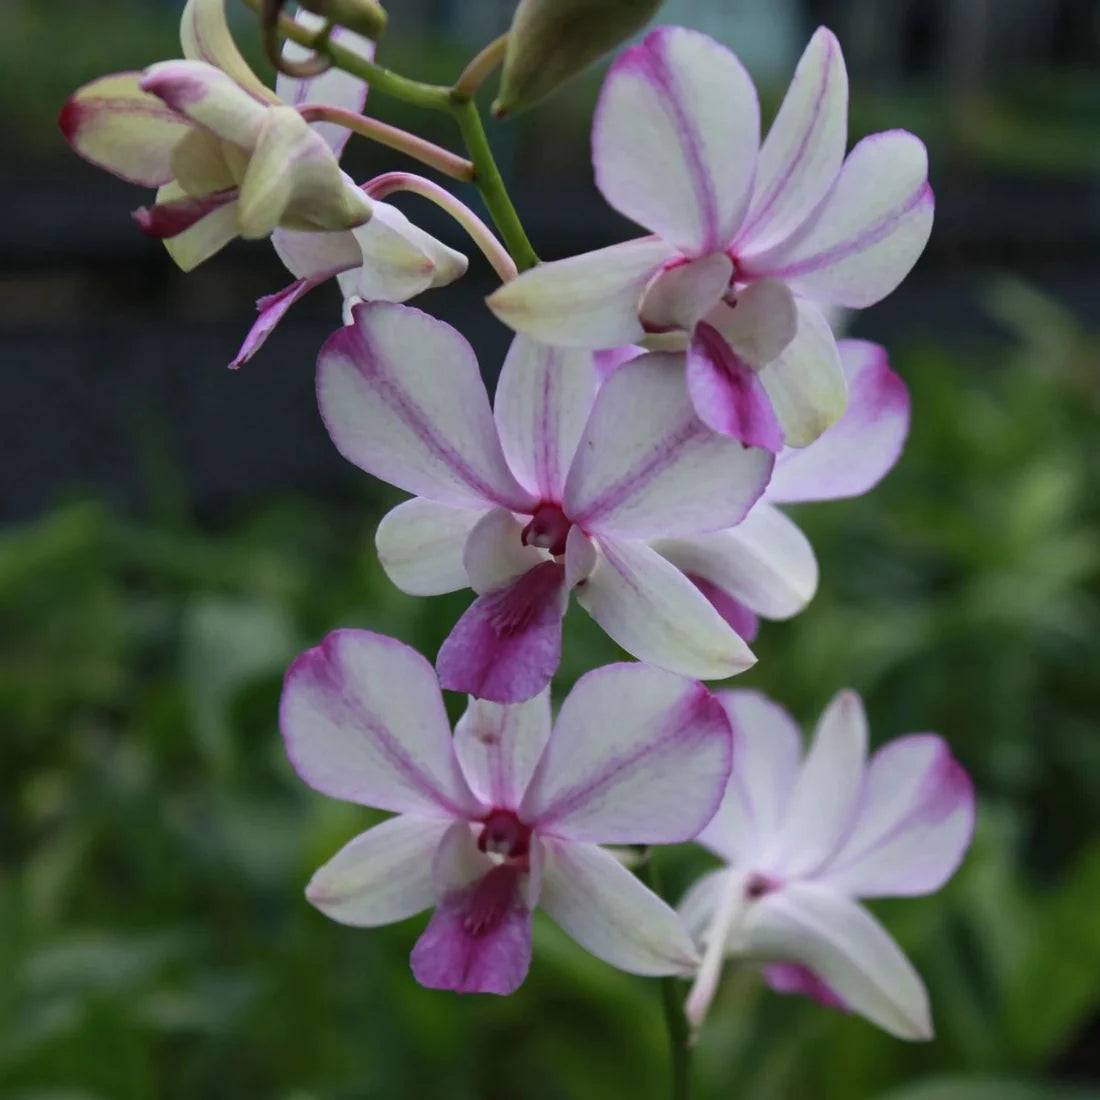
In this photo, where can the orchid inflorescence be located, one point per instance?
(661, 399)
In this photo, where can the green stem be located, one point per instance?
(672, 1005)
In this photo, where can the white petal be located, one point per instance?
(499, 745)
(383, 875)
(637, 756)
(866, 235)
(848, 949)
(420, 546)
(681, 295)
(675, 137)
(806, 381)
(861, 447)
(697, 906)
(765, 562)
(647, 466)
(825, 799)
(761, 325)
(587, 301)
(402, 398)
(802, 154)
(494, 553)
(610, 913)
(915, 821)
(655, 613)
(205, 36)
(309, 254)
(363, 720)
(205, 238)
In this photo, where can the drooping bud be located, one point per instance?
(366, 17)
(553, 40)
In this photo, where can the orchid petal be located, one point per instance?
(507, 646)
(383, 875)
(637, 756)
(736, 614)
(682, 294)
(200, 165)
(647, 465)
(332, 88)
(825, 798)
(804, 149)
(587, 301)
(914, 824)
(113, 124)
(402, 398)
(205, 238)
(494, 554)
(610, 913)
(655, 613)
(806, 381)
(868, 232)
(205, 36)
(363, 721)
(581, 557)
(795, 978)
(675, 137)
(420, 546)
(697, 907)
(272, 308)
(841, 943)
(765, 562)
(862, 446)
(175, 216)
(307, 254)
(767, 753)
(760, 324)
(499, 746)
(542, 402)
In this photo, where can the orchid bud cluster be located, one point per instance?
(661, 402)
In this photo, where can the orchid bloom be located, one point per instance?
(748, 241)
(559, 492)
(507, 815)
(765, 566)
(805, 837)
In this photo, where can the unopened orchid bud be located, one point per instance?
(553, 40)
(367, 17)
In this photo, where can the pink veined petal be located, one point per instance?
(637, 756)
(363, 721)
(272, 308)
(765, 562)
(610, 913)
(793, 978)
(205, 238)
(205, 36)
(608, 360)
(744, 621)
(499, 746)
(307, 254)
(587, 301)
(479, 937)
(861, 447)
(494, 554)
(804, 149)
(760, 322)
(767, 753)
(806, 381)
(656, 614)
(383, 875)
(647, 466)
(675, 137)
(727, 394)
(332, 88)
(840, 942)
(914, 824)
(825, 799)
(116, 126)
(683, 293)
(175, 216)
(402, 398)
(868, 232)
(507, 646)
(542, 403)
(420, 546)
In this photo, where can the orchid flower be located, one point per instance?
(507, 815)
(748, 241)
(803, 838)
(765, 566)
(559, 492)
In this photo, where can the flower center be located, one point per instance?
(503, 834)
(548, 529)
(758, 885)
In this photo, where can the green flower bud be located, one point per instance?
(366, 17)
(553, 40)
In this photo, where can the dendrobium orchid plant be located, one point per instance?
(661, 399)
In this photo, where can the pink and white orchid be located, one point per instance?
(765, 566)
(805, 837)
(559, 489)
(507, 815)
(749, 240)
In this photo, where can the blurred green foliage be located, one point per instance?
(153, 935)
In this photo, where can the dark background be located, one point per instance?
(174, 533)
